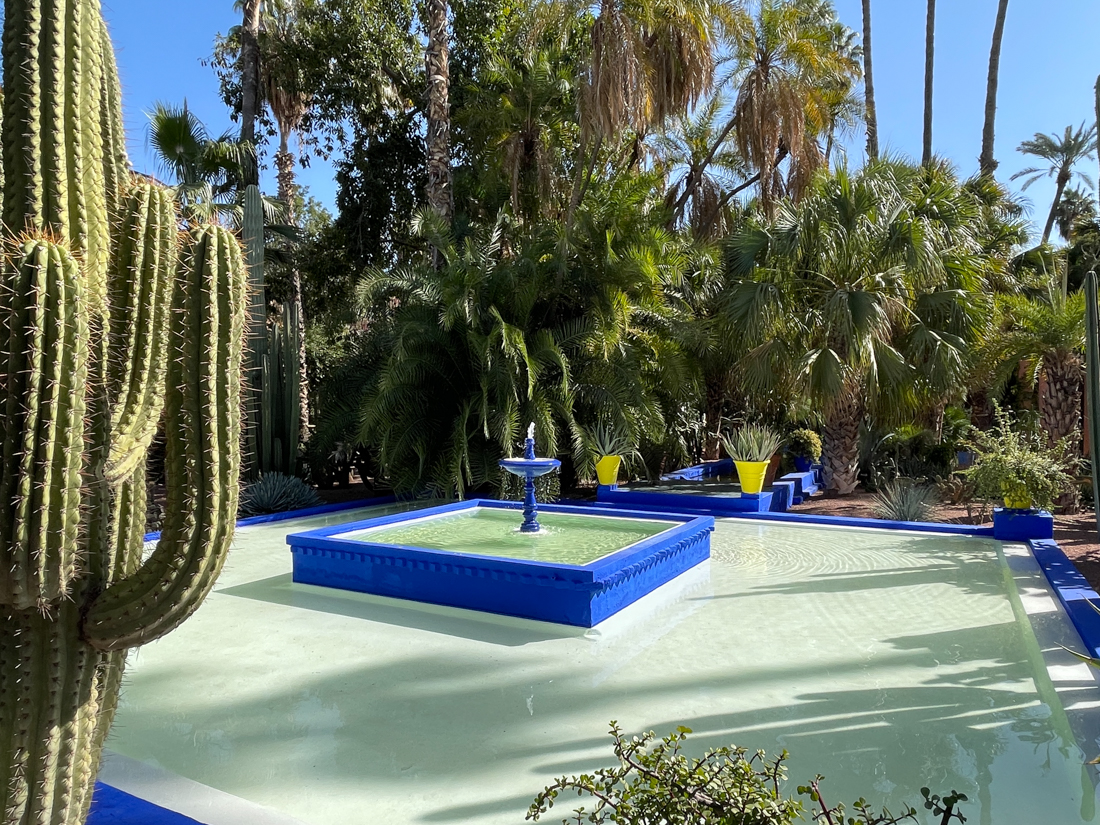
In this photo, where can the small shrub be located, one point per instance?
(805, 443)
(905, 500)
(276, 493)
(1010, 461)
(655, 782)
(752, 442)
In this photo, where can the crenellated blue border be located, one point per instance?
(1072, 590)
(579, 595)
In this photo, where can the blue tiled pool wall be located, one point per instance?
(564, 594)
(785, 492)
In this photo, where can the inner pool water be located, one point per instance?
(885, 661)
(563, 538)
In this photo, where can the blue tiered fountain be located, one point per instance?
(530, 468)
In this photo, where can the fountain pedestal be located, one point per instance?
(530, 468)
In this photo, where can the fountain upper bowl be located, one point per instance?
(532, 467)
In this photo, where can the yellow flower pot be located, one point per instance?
(607, 469)
(751, 475)
(1016, 497)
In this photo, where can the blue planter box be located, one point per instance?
(575, 595)
(1022, 525)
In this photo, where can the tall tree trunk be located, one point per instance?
(288, 190)
(1060, 411)
(1060, 403)
(929, 62)
(1063, 179)
(250, 84)
(436, 51)
(987, 162)
(869, 85)
(840, 450)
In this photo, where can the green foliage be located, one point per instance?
(657, 782)
(1011, 461)
(752, 442)
(277, 493)
(805, 443)
(610, 440)
(905, 500)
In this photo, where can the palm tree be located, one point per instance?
(869, 86)
(1049, 333)
(681, 150)
(524, 119)
(440, 189)
(250, 81)
(206, 171)
(987, 162)
(793, 57)
(1075, 209)
(289, 104)
(826, 299)
(1063, 154)
(929, 63)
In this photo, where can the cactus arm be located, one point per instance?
(46, 373)
(252, 235)
(142, 283)
(203, 406)
(116, 165)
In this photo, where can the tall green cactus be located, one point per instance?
(105, 325)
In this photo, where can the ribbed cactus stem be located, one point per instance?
(104, 331)
(46, 330)
(203, 460)
(252, 235)
(142, 282)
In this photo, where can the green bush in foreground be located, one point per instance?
(657, 783)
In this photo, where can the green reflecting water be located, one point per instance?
(884, 661)
(564, 539)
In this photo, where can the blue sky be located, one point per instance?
(1049, 64)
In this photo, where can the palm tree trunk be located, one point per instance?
(1060, 404)
(250, 84)
(1063, 179)
(869, 85)
(1060, 412)
(929, 62)
(987, 162)
(840, 450)
(288, 190)
(440, 192)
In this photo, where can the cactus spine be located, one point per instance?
(108, 324)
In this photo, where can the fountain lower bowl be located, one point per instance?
(585, 565)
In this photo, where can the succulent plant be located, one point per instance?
(610, 440)
(752, 442)
(905, 500)
(277, 493)
(108, 321)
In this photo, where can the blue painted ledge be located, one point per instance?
(110, 806)
(319, 510)
(1072, 589)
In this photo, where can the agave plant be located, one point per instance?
(752, 442)
(277, 493)
(905, 500)
(607, 439)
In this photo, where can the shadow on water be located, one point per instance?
(450, 621)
